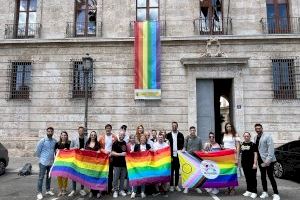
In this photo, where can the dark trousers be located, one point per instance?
(250, 175)
(264, 171)
(175, 167)
(110, 177)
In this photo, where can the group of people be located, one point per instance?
(258, 153)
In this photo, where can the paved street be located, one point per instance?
(13, 186)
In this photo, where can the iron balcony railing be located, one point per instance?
(83, 29)
(21, 31)
(213, 26)
(162, 24)
(281, 25)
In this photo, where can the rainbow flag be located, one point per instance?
(213, 170)
(147, 60)
(149, 167)
(88, 168)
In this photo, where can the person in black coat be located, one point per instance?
(176, 140)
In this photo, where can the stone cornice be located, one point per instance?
(214, 61)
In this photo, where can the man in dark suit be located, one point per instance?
(176, 140)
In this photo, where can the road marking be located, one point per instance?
(214, 196)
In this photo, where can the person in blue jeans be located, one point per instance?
(45, 152)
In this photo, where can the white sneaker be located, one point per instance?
(171, 189)
(186, 190)
(215, 191)
(247, 194)
(198, 190)
(253, 195)
(177, 188)
(132, 195)
(122, 193)
(143, 195)
(82, 192)
(39, 196)
(72, 193)
(50, 193)
(115, 195)
(90, 195)
(208, 190)
(264, 195)
(98, 195)
(276, 197)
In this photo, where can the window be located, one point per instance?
(20, 80)
(147, 10)
(85, 19)
(278, 16)
(78, 87)
(26, 18)
(284, 84)
(211, 16)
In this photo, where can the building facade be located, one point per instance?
(244, 51)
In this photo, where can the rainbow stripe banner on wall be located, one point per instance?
(149, 167)
(214, 170)
(147, 60)
(88, 168)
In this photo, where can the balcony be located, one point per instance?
(282, 25)
(212, 26)
(83, 29)
(22, 31)
(162, 23)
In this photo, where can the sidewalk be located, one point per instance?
(16, 163)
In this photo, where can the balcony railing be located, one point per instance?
(83, 29)
(21, 31)
(204, 26)
(162, 24)
(281, 25)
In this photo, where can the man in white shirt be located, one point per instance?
(176, 140)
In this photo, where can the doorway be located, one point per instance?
(214, 106)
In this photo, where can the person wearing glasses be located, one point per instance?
(211, 146)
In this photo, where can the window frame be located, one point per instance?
(210, 13)
(27, 24)
(86, 21)
(24, 92)
(147, 10)
(277, 18)
(283, 68)
(77, 83)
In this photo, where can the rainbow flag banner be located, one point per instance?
(147, 60)
(212, 170)
(88, 168)
(149, 167)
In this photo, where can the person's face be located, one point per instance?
(132, 140)
(121, 135)
(154, 133)
(81, 132)
(211, 138)
(93, 136)
(147, 134)
(140, 129)
(228, 127)
(258, 129)
(49, 133)
(160, 139)
(192, 132)
(247, 137)
(143, 139)
(63, 137)
(174, 127)
(108, 129)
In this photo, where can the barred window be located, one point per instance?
(284, 83)
(20, 80)
(78, 88)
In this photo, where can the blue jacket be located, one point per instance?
(45, 151)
